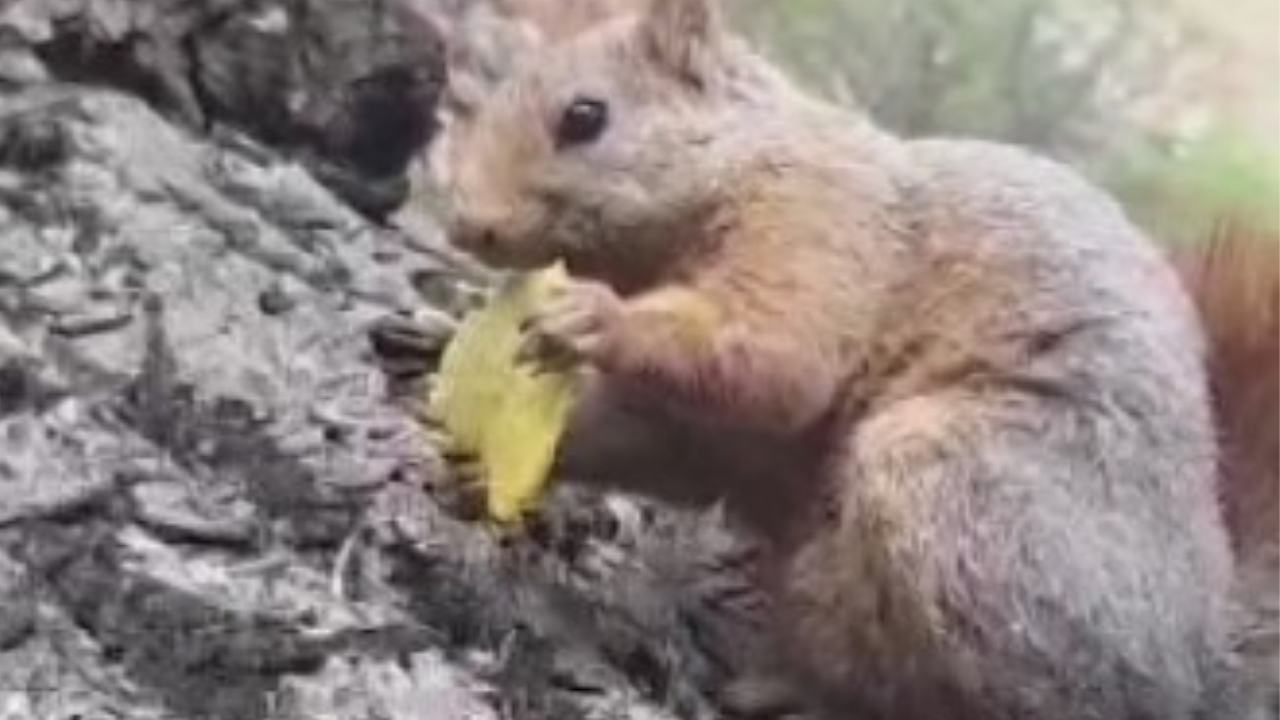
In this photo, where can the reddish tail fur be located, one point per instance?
(1235, 280)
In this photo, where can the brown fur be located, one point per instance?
(957, 393)
(1235, 281)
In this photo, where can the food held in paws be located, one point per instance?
(506, 415)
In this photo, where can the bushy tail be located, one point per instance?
(1235, 281)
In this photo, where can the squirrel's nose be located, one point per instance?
(472, 236)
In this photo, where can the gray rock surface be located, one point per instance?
(347, 86)
(213, 504)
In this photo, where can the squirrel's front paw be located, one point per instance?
(576, 326)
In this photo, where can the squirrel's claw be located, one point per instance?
(543, 355)
(573, 328)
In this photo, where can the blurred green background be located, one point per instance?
(1172, 104)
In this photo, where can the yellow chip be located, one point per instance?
(496, 410)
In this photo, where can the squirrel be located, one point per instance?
(963, 402)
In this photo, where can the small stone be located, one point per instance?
(17, 605)
(91, 323)
(409, 347)
(165, 508)
(275, 300)
(574, 672)
(19, 66)
(16, 384)
(442, 289)
(32, 144)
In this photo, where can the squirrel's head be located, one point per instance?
(599, 148)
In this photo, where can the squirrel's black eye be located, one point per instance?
(583, 120)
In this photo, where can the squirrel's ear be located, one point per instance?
(683, 36)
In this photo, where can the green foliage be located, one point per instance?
(1179, 190)
(1063, 76)
(1047, 73)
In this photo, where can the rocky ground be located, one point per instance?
(213, 504)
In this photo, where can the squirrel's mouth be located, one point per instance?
(497, 252)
